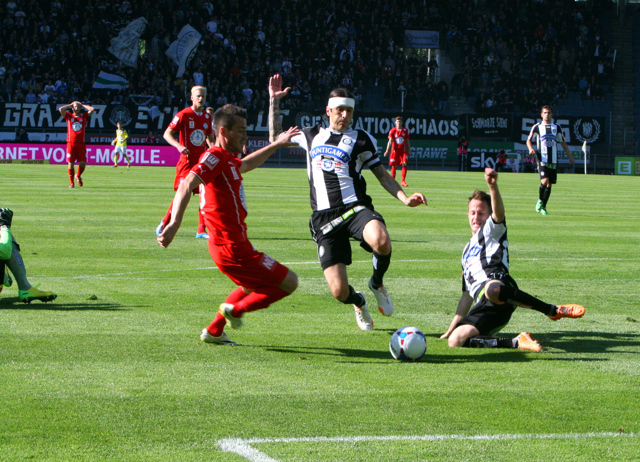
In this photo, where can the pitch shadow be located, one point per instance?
(14, 303)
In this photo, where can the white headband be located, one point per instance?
(340, 101)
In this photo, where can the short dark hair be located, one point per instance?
(400, 118)
(226, 116)
(546, 106)
(340, 93)
(483, 196)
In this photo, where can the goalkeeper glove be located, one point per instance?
(6, 216)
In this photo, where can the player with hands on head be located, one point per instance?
(490, 295)
(261, 280)
(548, 135)
(341, 207)
(77, 121)
(10, 258)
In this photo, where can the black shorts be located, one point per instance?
(488, 317)
(550, 173)
(334, 246)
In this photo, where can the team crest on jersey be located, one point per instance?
(76, 126)
(399, 140)
(192, 124)
(210, 161)
(347, 141)
(197, 137)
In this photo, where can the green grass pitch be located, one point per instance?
(114, 368)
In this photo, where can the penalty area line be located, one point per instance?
(243, 447)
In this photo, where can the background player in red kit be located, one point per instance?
(76, 130)
(261, 280)
(194, 125)
(400, 148)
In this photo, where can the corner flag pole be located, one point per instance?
(584, 150)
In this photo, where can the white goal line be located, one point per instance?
(243, 447)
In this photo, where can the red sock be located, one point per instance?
(258, 300)
(235, 296)
(393, 171)
(71, 172)
(404, 173)
(217, 326)
(80, 169)
(167, 217)
(201, 227)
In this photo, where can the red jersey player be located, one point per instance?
(400, 148)
(194, 125)
(76, 131)
(261, 280)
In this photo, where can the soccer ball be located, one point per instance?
(408, 344)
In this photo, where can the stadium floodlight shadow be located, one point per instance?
(14, 303)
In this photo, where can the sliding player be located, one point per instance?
(490, 295)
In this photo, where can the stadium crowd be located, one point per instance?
(511, 59)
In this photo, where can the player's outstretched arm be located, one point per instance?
(491, 176)
(275, 94)
(180, 202)
(464, 305)
(257, 158)
(391, 185)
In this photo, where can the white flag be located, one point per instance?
(182, 50)
(112, 81)
(125, 46)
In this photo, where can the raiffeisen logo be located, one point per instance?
(331, 151)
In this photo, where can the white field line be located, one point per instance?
(243, 448)
(315, 262)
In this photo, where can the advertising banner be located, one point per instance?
(97, 154)
(627, 166)
(498, 126)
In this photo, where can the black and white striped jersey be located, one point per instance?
(334, 165)
(486, 253)
(548, 137)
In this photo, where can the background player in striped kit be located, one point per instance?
(487, 284)
(548, 136)
(341, 207)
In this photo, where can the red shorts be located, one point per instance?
(247, 267)
(76, 152)
(398, 159)
(183, 167)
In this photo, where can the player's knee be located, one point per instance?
(290, 283)
(492, 291)
(340, 293)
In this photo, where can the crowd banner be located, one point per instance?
(484, 125)
(136, 119)
(574, 129)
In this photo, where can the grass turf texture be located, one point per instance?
(114, 368)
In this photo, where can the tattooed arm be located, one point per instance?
(275, 94)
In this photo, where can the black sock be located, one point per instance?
(519, 298)
(541, 191)
(354, 298)
(380, 266)
(545, 196)
(490, 342)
